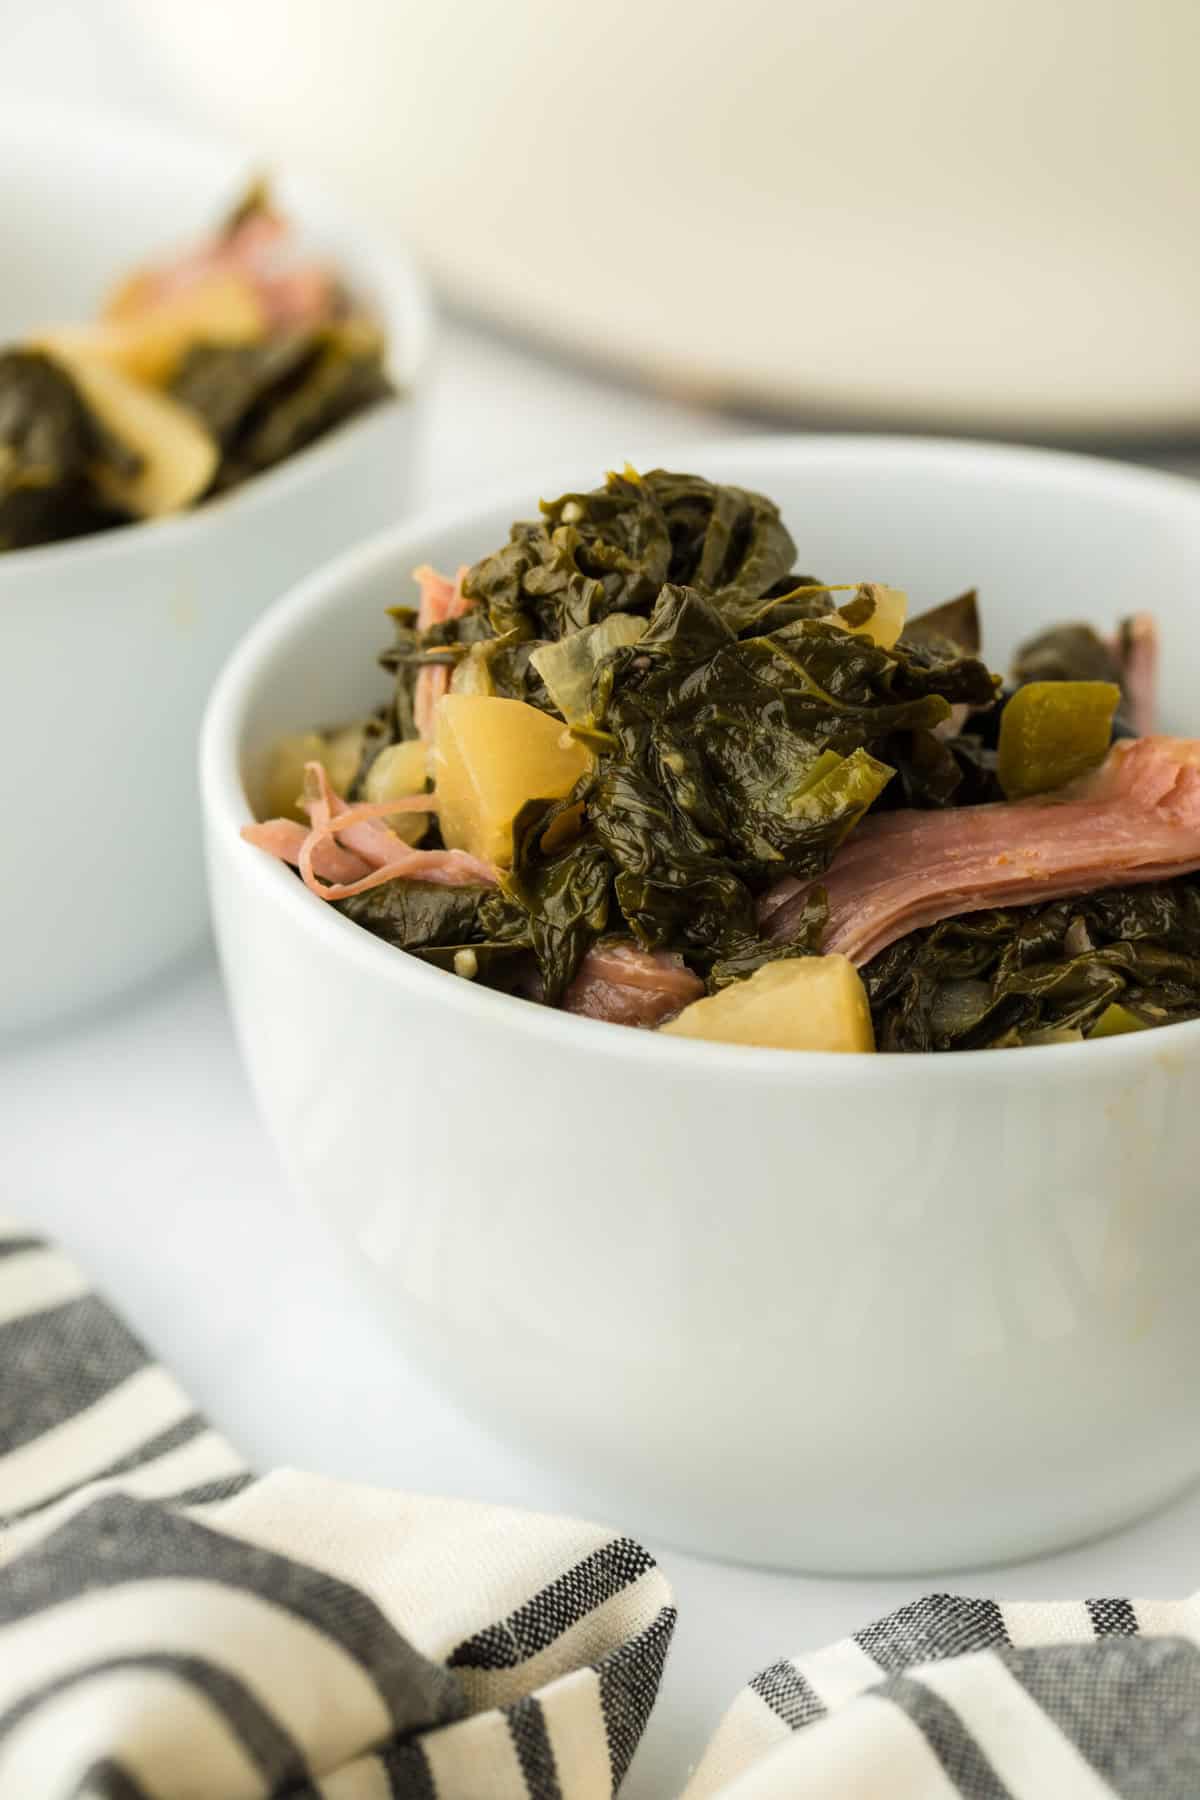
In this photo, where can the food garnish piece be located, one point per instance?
(1135, 819)
(1052, 732)
(490, 758)
(619, 981)
(804, 1003)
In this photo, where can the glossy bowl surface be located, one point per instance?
(109, 644)
(840, 1313)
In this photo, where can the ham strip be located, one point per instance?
(284, 839)
(627, 985)
(367, 854)
(441, 599)
(293, 294)
(1136, 819)
(1136, 651)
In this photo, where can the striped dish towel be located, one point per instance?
(172, 1629)
(957, 1699)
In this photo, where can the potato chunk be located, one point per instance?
(876, 612)
(283, 773)
(396, 772)
(801, 1003)
(490, 756)
(178, 457)
(150, 344)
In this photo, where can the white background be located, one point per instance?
(132, 1137)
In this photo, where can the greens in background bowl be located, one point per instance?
(202, 369)
(111, 640)
(625, 1251)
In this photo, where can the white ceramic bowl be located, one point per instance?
(958, 212)
(109, 644)
(841, 1313)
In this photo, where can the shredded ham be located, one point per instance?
(627, 985)
(1136, 819)
(441, 599)
(1136, 650)
(259, 248)
(348, 849)
(285, 839)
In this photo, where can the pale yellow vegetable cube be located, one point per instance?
(889, 609)
(342, 755)
(283, 774)
(801, 1003)
(150, 344)
(490, 757)
(178, 456)
(396, 772)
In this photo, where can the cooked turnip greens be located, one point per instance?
(636, 766)
(198, 374)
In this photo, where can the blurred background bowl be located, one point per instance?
(108, 644)
(951, 213)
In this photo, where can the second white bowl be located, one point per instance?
(109, 644)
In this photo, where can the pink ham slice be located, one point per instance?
(1136, 650)
(367, 853)
(626, 985)
(293, 294)
(285, 839)
(441, 599)
(1136, 819)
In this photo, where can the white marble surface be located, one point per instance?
(133, 1139)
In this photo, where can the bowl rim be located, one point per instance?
(226, 808)
(397, 283)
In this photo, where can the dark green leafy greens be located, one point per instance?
(1005, 976)
(263, 402)
(743, 720)
(438, 924)
(51, 450)
(725, 762)
(738, 740)
(611, 550)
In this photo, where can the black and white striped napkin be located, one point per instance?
(172, 1629)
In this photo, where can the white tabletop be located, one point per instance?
(133, 1139)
